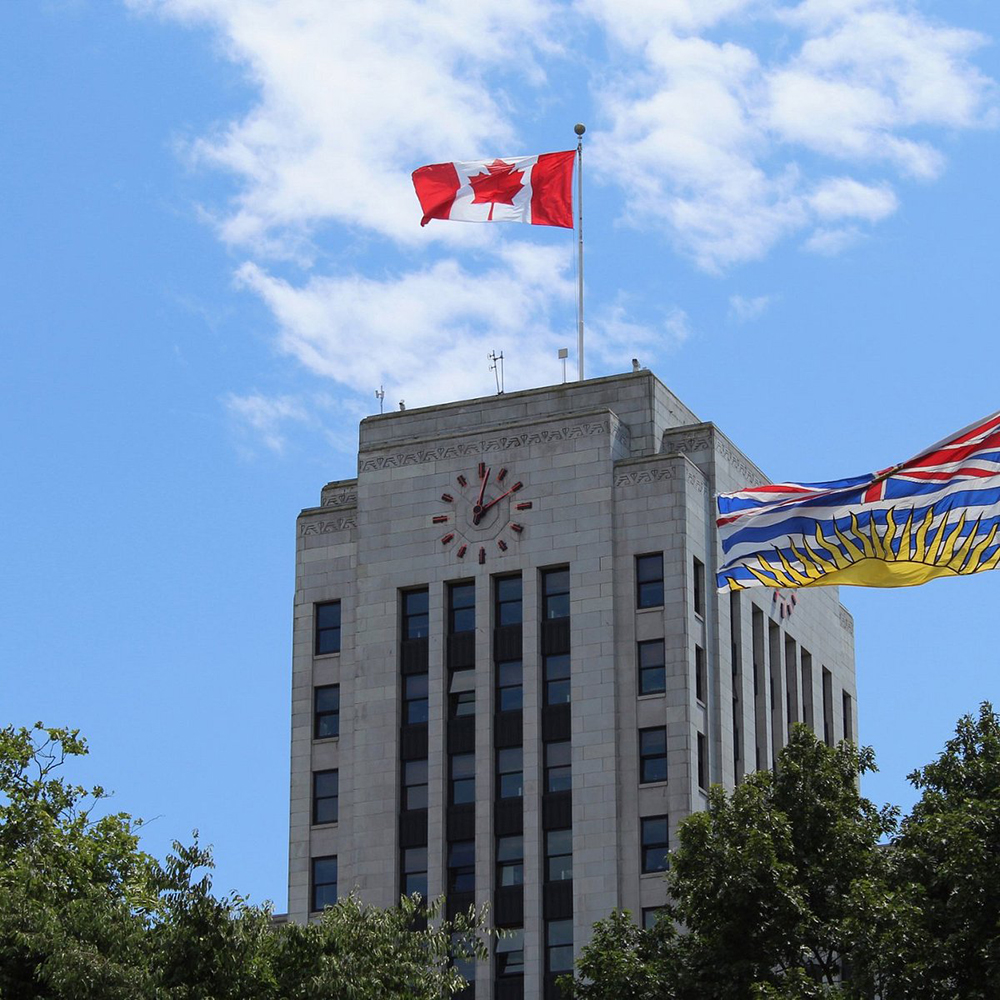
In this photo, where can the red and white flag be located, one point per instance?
(533, 189)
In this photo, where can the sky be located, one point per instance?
(211, 259)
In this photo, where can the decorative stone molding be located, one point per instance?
(644, 476)
(846, 621)
(694, 442)
(746, 472)
(329, 527)
(503, 442)
(697, 480)
(340, 498)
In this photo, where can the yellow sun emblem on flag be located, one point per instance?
(898, 556)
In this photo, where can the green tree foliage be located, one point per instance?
(86, 915)
(786, 889)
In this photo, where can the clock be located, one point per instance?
(482, 512)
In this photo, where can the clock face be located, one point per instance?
(481, 513)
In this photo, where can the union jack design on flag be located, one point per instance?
(936, 515)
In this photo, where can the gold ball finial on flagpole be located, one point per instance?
(579, 128)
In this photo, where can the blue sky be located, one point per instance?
(212, 257)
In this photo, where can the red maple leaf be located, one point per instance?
(498, 187)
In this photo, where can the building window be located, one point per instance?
(462, 694)
(559, 946)
(558, 855)
(510, 860)
(324, 882)
(555, 593)
(652, 668)
(558, 766)
(654, 844)
(415, 784)
(415, 871)
(556, 667)
(508, 601)
(650, 914)
(465, 967)
(463, 778)
(326, 795)
(461, 608)
(510, 952)
(848, 717)
(652, 754)
(510, 773)
(702, 762)
(698, 583)
(414, 698)
(327, 617)
(415, 618)
(699, 674)
(462, 866)
(510, 692)
(649, 581)
(326, 711)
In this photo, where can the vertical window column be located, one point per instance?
(413, 667)
(760, 692)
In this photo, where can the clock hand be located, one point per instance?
(482, 489)
(477, 514)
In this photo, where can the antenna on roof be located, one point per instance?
(563, 355)
(380, 396)
(497, 368)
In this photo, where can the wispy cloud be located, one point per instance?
(265, 417)
(745, 310)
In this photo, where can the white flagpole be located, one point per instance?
(579, 128)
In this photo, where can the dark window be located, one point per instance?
(654, 844)
(415, 784)
(653, 754)
(558, 855)
(463, 778)
(650, 914)
(510, 693)
(649, 580)
(848, 707)
(702, 761)
(699, 587)
(465, 967)
(415, 620)
(414, 698)
(462, 694)
(652, 671)
(326, 793)
(557, 679)
(324, 882)
(559, 946)
(699, 673)
(558, 766)
(508, 600)
(555, 593)
(462, 866)
(326, 711)
(510, 773)
(415, 871)
(327, 628)
(461, 607)
(510, 952)
(510, 860)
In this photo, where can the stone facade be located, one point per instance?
(609, 469)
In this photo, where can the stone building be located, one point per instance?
(513, 676)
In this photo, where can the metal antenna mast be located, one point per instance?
(380, 396)
(496, 366)
(579, 128)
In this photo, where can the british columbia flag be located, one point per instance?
(935, 515)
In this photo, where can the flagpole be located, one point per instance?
(579, 128)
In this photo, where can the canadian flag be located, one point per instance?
(534, 189)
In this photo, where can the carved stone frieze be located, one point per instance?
(340, 498)
(643, 476)
(329, 527)
(503, 442)
(846, 621)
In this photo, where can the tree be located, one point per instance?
(946, 872)
(85, 913)
(774, 885)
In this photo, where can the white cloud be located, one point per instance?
(744, 310)
(353, 97)
(831, 241)
(707, 137)
(425, 335)
(266, 416)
